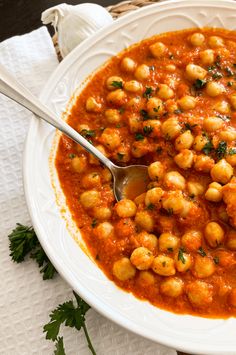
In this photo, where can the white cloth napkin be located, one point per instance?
(25, 299)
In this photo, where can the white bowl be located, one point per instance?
(187, 333)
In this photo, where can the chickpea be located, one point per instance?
(90, 198)
(204, 163)
(215, 42)
(147, 240)
(233, 101)
(214, 192)
(145, 220)
(133, 86)
(212, 124)
(192, 240)
(231, 159)
(154, 124)
(142, 72)
(117, 97)
(92, 105)
(140, 199)
(113, 116)
(171, 128)
(142, 258)
(183, 261)
(112, 81)
(231, 240)
(172, 287)
(222, 107)
(165, 92)
(222, 172)
(184, 141)
(146, 278)
(125, 208)
(104, 230)
(102, 213)
(158, 49)
(214, 89)
(197, 39)
(232, 297)
(153, 196)
(195, 188)
(123, 270)
(128, 65)
(187, 102)
(195, 72)
(91, 180)
(187, 207)
(106, 175)
(184, 159)
(168, 242)
(135, 123)
(79, 164)
(155, 107)
(173, 180)
(173, 202)
(110, 138)
(214, 234)
(203, 267)
(163, 265)
(199, 293)
(140, 148)
(199, 142)
(171, 106)
(228, 135)
(207, 57)
(134, 104)
(156, 171)
(171, 68)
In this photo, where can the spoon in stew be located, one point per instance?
(128, 181)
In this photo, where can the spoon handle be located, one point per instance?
(10, 87)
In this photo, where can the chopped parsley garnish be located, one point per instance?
(163, 263)
(188, 126)
(230, 83)
(208, 147)
(199, 84)
(181, 255)
(216, 260)
(156, 109)
(120, 156)
(144, 115)
(170, 211)
(94, 223)
(150, 206)
(217, 62)
(170, 249)
(201, 252)
(229, 72)
(148, 92)
(118, 125)
(221, 150)
(139, 137)
(159, 150)
(121, 110)
(211, 68)
(88, 133)
(232, 151)
(152, 67)
(217, 75)
(117, 84)
(224, 117)
(147, 130)
(72, 156)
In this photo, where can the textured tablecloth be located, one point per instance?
(25, 299)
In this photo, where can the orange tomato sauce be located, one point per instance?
(182, 262)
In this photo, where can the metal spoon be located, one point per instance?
(122, 176)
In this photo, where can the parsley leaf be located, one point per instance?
(94, 223)
(47, 268)
(86, 133)
(148, 92)
(22, 241)
(139, 137)
(117, 84)
(217, 75)
(201, 252)
(229, 72)
(199, 84)
(189, 127)
(71, 316)
(181, 255)
(144, 115)
(72, 156)
(232, 151)
(208, 147)
(221, 150)
(147, 130)
(216, 260)
(59, 347)
(150, 206)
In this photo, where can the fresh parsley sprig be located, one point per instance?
(24, 241)
(70, 315)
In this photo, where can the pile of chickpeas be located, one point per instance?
(173, 118)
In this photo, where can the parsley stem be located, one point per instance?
(90, 346)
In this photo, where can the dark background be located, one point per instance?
(21, 16)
